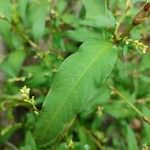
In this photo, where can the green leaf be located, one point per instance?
(70, 19)
(83, 34)
(29, 142)
(37, 17)
(23, 7)
(40, 75)
(146, 126)
(12, 65)
(145, 65)
(106, 20)
(117, 109)
(100, 99)
(61, 5)
(84, 139)
(131, 140)
(94, 7)
(5, 9)
(97, 14)
(76, 83)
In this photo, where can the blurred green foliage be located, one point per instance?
(36, 36)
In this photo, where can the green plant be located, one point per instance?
(99, 94)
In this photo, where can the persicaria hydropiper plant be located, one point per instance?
(75, 74)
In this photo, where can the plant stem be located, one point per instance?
(18, 30)
(98, 144)
(146, 119)
(18, 100)
(25, 37)
(139, 18)
(10, 145)
(17, 97)
(121, 18)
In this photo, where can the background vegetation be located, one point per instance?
(36, 36)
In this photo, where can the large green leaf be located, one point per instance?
(76, 83)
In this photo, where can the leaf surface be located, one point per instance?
(76, 83)
(98, 14)
(83, 34)
(131, 139)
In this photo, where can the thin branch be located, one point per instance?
(19, 101)
(20, 32)
(98, 144)
(10, 145)
(127, 7)
(24, 36)
(146, 119)
(141, 16)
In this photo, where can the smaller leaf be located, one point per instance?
(83, 34)
(117, 109)
(5, 9)
(97, 14)
(29, 142)
(37, 17)
(40, 75)
(145, 63)
(71, 20)
(61, 5)
(12, 65)
(104, 20)
(23, 7)
(131, 139)
(94, 7)
(146, 126)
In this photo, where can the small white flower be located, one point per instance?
(25, 92)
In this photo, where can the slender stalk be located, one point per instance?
(127, 7)
(146, 119)
(19, 101)
(17, 97)
(21, 33)
(10, 145)
(139, 18)
(98, 144)
(24, 36)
